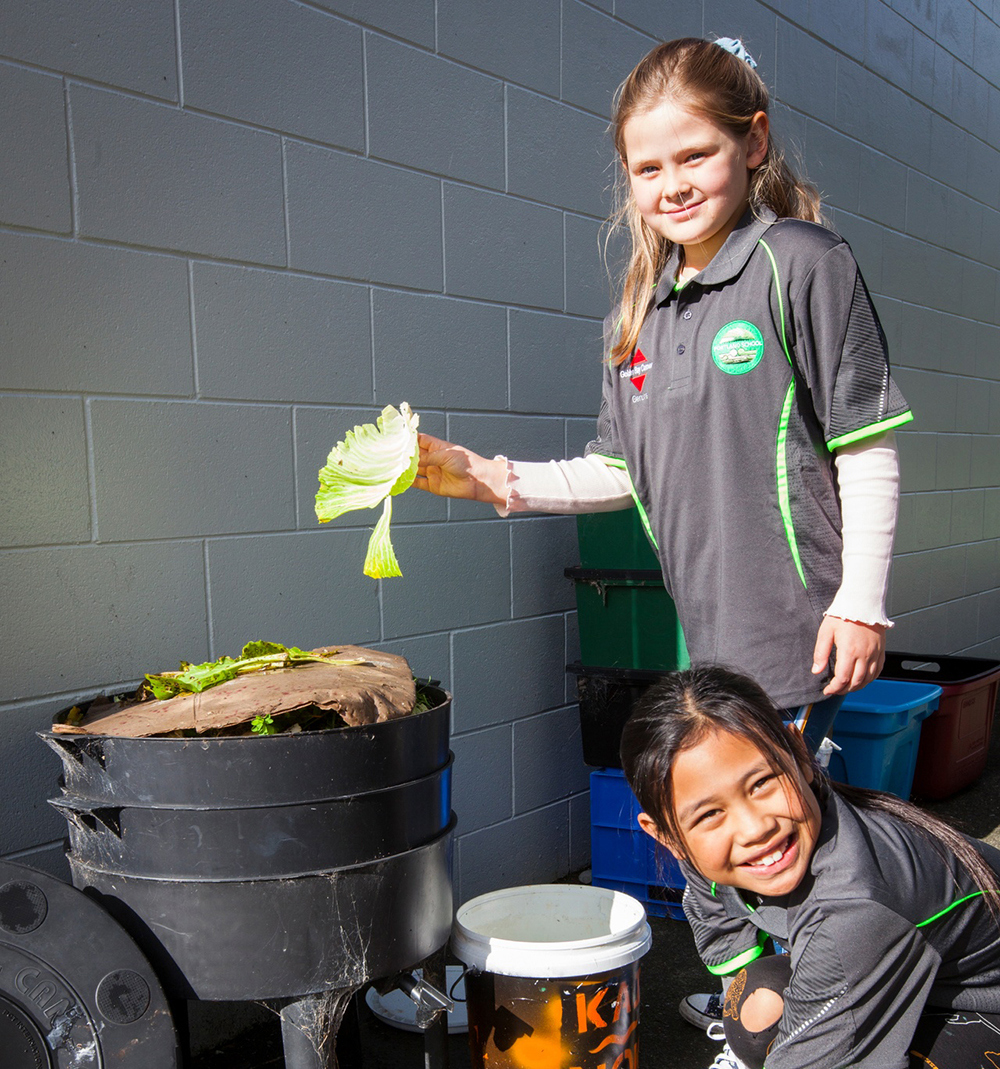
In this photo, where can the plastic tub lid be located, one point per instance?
(550, 930)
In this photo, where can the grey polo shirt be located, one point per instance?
(743, 383)
(879, 929)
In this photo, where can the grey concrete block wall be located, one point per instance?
(230, 232)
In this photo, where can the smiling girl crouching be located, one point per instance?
(889, 916)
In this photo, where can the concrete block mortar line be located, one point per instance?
(193, 323)
(284, 201)
(91, 470)
(510, 391)
(295, 466)
(209, 622)
(70, 78)
(513, 773)
(923, 241)
(74, 197)
(970, 132)
(510, 567)
(444, 244)
(562, 46)
(371, 343)
(377, 31)
(506, 138)
(380, 601)
(178, 52)
(364, 88)
(196, 258)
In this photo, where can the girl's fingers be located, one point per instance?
(429, 444)
(860, 653)
(824, 646)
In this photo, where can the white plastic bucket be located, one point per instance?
(553, 976)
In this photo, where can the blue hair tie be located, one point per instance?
(735, 45)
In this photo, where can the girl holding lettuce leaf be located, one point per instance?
(754, 330)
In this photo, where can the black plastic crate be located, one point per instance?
(607, 697)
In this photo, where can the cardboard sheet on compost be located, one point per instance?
(380, 688)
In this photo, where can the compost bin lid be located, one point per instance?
(367, 687)
(71, 979)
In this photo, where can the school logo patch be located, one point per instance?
(738, 347)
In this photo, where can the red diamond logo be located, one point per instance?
(638, 380)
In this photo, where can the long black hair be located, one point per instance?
(680, 710)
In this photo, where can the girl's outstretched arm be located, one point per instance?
(561, 487)
(450, 470)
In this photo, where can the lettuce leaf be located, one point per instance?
(380, 561)
(256, 656)
(372, 464)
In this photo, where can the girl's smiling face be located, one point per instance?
(689, 176)
(743, 824)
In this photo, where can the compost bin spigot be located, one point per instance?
(825, 752)
(425, 995)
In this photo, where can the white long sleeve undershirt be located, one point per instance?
(867, 477)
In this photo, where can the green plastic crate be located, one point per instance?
(614, 540)
(627, 620)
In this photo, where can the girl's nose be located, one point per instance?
(675, 189)
(754, 825)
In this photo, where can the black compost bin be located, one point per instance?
(268, 867)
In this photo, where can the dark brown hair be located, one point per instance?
(706, 78)
(677, 712)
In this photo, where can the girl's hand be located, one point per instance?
(450, 470)
(860, 653)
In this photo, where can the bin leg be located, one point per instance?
(179, 1010)
(435, 1025)
(309, 1029)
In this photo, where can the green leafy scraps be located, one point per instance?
(426, 698)
(255, 657)
(263, 725)
(372, 464)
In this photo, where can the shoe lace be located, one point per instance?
(716, 1031)
(725, 1059)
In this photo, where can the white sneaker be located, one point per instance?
(725, 1059)
(701, 1010)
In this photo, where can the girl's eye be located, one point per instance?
(762, 782)
(706, 817)
(694, 157)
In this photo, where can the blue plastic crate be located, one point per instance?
(612, 803)
(878, 732)
(622, 856)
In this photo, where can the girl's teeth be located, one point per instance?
(772, 858)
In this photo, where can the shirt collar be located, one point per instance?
(730, 259)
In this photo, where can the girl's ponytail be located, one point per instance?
(942, 836)
(776, 186)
